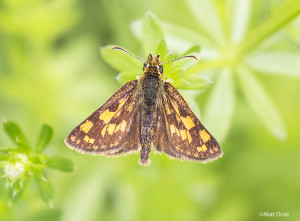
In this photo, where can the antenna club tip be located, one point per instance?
(194, 56)
(113, 48)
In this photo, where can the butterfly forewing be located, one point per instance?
(109, 128)
(187, 137)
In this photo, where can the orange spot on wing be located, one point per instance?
(172, 128)
(204, 135)
(86, 138)
(72, 138)
(183, 134)
(188, 122)
(189, 136)
(106, 116)
(199, 149)
(103, 131)
(204, 147)
(85, 127)
(123, 125)
(111, 128)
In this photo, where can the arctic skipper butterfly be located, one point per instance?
(145, 113)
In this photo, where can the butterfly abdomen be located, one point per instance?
(151, 85)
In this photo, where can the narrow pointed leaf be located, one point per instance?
(45, 215)
(162, 49)
(220, 106)
(275, 63)
(168, 68)
(15, 133)
(208, 18)
(44, 138)
(120, 60)
(261, 104)
(193, 49)
(287, 11)
(152, 33)
(16, 190)
(126, 76)
(6, 150)
(186, 63)
(185, 34)
(23, 147)
(136, 28)
(191, 82)
(240, 19)
(60, 163)
(45, 189)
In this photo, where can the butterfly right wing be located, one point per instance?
(184, 137)
(109, 129)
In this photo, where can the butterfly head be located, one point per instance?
(153, 65)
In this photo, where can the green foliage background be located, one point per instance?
(51, 72)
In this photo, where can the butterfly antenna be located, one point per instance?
(187, 56)
(118, 48)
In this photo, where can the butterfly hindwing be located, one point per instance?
(109, 128)
(186, 136)
(161, 139)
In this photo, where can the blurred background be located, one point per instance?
(51, 71)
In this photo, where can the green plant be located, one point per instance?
(25, 161)
(232, 53)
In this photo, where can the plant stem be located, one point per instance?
(285, 13)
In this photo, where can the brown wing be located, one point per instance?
(185, 136)
(110, 129)
(161, 139)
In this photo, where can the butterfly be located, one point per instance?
(143, 114)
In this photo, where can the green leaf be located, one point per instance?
(220, 106)
(152, 33)
(120, 60)
(240, 19)
(193, 49)
(185, 63)
(60, 163)
(44, 138)
(126, 76)
(205, 66)
(261, 104)
(45, 215)
(45, 189)
(16, 190)
(275, 63)
(6, 150)
(23, 147)
(191, 82)
(162, 49)
(16, 134)
(288, 10)
(208, 18)
(168, 68)
(182, 33)
(189, 96)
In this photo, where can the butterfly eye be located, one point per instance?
(161, 69)
(145, 66)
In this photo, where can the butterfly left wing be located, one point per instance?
(186, 137)
(112, 128)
